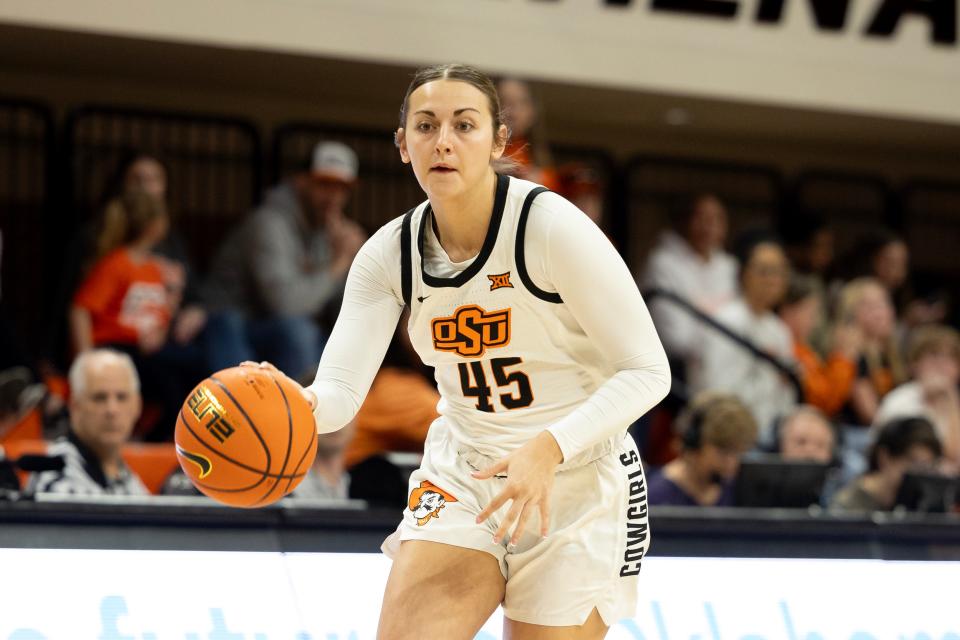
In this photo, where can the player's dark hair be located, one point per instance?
(473, 77)
(897, 437)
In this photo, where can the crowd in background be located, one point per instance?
(779, 351)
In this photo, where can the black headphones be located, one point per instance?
(692, 437)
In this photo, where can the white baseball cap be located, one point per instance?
(334, 161)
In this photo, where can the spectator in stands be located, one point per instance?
(104, 405)
(731, 367)
(716, 430)
(145, 172)
(806, 434)
(125, 298)
(142, 172)
(826, 385)
(808, 241)
(136, 173)
(275, 273)
(327, 478)
(527, 146)
(883, 255)
(933, 356)
(865, 305)
(908, 444)
(127, 302)
(689, 261)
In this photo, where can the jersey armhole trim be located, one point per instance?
(406, 258)
(519, 255)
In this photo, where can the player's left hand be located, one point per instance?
(530, 473)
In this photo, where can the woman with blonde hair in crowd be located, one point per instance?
(865, 305)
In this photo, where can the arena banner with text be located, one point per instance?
(179, 595)
(897, 58)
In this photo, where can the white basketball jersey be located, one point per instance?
(510, 359)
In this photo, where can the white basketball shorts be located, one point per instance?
(598, 535)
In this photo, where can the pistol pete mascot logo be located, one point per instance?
(426, 501)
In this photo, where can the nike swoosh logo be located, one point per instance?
(201, 461)
(422, 298)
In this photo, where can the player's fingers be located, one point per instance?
(515, 510)
(310, 396)
(544, 518)
(497, 502)
(249, 363)
(489, 472)
(268, 366)
(521, 523)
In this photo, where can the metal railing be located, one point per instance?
(782, 367)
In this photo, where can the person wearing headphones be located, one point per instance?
(902, 445)
(717, 429)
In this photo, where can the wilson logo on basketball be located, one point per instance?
(426, 501)
(470, 331)
(210, 413)
(499, 281)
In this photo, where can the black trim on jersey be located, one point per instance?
(406, 259)
(519, 251)
(499, 202)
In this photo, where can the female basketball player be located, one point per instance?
(529, 493)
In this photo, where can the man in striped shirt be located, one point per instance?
(104, 406)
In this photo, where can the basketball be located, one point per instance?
(245, 436)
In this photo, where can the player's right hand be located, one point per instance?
(530, 471)
(307, 394)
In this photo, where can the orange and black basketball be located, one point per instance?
(246, 437)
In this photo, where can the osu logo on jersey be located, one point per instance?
(426, 501)
(499, 280)
(470, 331)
